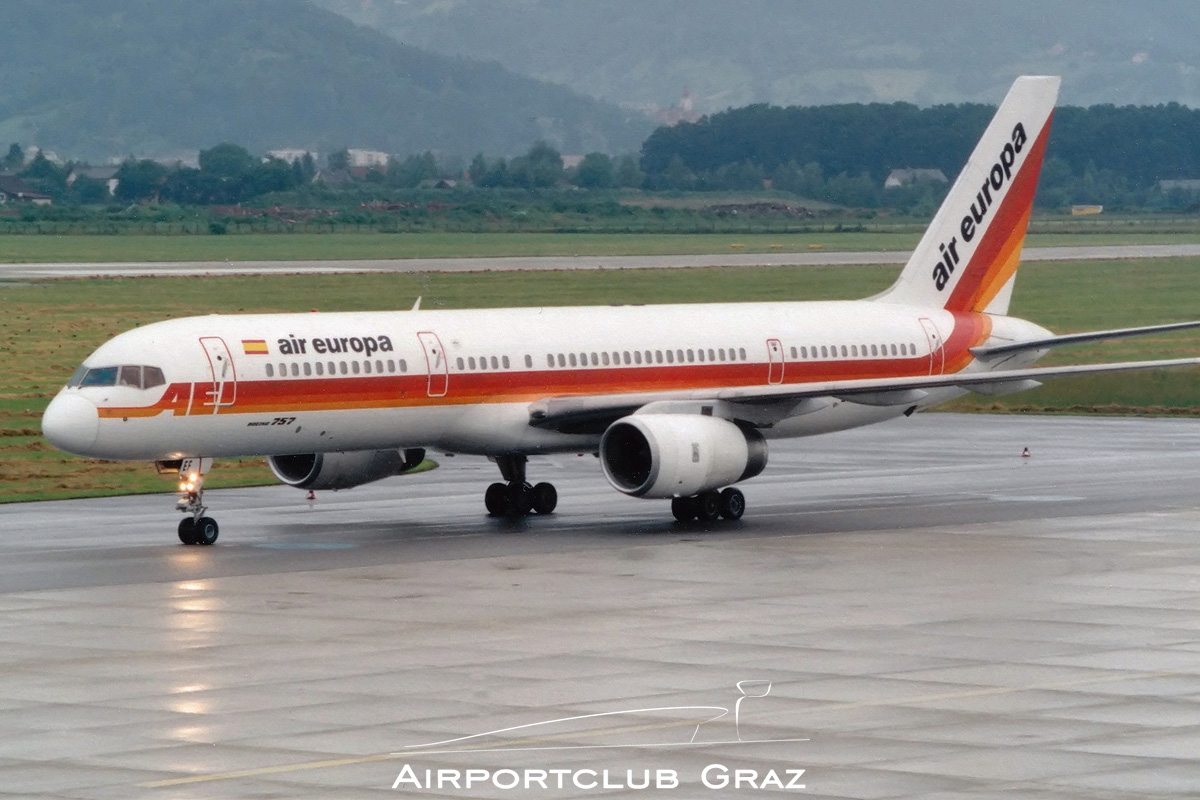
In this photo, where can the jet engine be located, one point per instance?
(678, 455)
(343, 470)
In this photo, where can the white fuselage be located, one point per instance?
(464, 381)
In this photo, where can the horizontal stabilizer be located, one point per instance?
(1079, 338)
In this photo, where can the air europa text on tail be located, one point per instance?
(1000, 173)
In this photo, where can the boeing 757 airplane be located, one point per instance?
(678, 401)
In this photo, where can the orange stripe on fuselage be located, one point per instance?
(280, 396)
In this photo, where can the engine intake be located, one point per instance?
(678, 455)
(343, 470)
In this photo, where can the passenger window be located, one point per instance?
(658, 357)
(295, 370)
(130, 376)
(742, 353)
(795, 355)
(471, 362)
(282, 370)
(495, 363)
(637, 356)
(367, 367)
(894, 350)
(691, 356)
(345, 369)
(670, 357)
(562, 361)
(854, 350)
(378, 365)
(529, 362)
(595, 360)
(391, 365)
(403, 365)
(616, 358)
(874, 350)
(354, 367)
(320, 368)
(700, 353)
(583, 359)
(824, 351)
(712, 356)
(804, 352)
(549, 359)
(573, 359)
(721, 353)
(458, 362)
(332, 368)
(270, 371)
(504, 362)
(604, 358)
(649, 357)
(307, 369)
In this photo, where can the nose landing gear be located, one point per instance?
(194, 528)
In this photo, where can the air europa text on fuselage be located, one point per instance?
(367, 345)
(998, 175)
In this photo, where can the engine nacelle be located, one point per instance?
(677, 455)
(343, 470)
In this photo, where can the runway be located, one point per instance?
(809, 258)
(909, 610)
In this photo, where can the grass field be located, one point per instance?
(342, 246)
(49, 327)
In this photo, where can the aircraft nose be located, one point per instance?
(71, 423)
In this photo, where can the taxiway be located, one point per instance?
(912, 610)
(418, 265)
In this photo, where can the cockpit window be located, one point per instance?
(133, 376)
(101, 376)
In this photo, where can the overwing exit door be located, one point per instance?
(775, 359)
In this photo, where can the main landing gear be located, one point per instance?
(515, 497)
(710, 506)
(195, 528)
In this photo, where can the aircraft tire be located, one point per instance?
(206, 531)
(520, 499)
(683, 508)
(496, 499)
(708, 506)
(187, 530)
(733, 504)
(545, 498)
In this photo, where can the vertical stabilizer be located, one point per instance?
(967, 259)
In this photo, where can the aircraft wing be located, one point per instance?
(765, 405)
(1079, 338)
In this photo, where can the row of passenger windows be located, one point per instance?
(855, 351)
(308, 369)
(713, 355)
(619, 357)
(497, 363)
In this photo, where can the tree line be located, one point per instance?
(838, 154)
(843, 153)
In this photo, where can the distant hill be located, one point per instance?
(785, 52)
(103, 78)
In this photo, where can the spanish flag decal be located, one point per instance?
(255, 347)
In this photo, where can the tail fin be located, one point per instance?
(967, 260)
